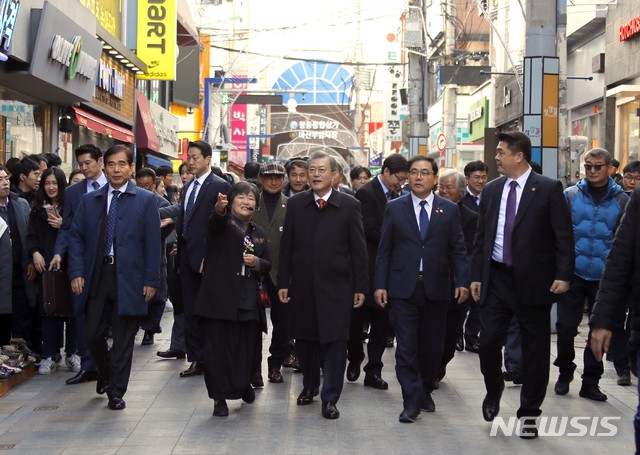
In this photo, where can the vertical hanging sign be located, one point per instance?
(157, 38)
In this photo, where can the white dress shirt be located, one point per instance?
(200, 180)
(475, 196)
(502, 213)
(415, 200)
(385, 190)
(325, 197)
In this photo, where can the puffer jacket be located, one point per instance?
(594, 226)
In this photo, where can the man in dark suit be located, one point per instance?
(523, 258)
(270, 217)
(373, 197)
(421, 263)
(89, 159)
(198, 199)
(323, 275)
(114, 285)
(452, 187)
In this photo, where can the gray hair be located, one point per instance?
(461, 183)
(599, 153)
(320, 155)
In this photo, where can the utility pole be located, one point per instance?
(357, 79)
(450, 94)
(564, 158)
(416, 42)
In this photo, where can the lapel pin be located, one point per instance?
(533, 189)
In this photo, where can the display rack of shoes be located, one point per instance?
(17, 364)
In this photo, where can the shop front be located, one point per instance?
(623, 77)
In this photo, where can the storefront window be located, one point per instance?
(630, 132)
(21, 129)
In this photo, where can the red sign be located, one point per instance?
(629, 29)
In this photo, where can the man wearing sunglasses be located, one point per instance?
(596, 204)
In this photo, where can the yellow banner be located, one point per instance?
(157, 38)
(550, 110)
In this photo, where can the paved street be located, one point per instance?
(169, 415)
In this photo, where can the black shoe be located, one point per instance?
(592, 392)
(83, 376)
(171, 354)
(460, 344)
(472, 346)
(441, 374)
(512, 376)
(375, 381)
(528, 429)
(329, 410)
(624, 378)
(409, 415)
(249, 395)
(491, 405)
(353, 371)
(116, 404)
(195, 369)
(101, 385)
(562, 385)
(147, 339)
(427, 404)
(306, 397)
(220, 408)
(389, 342)
(275, 376)
(257, 382)
(290, 361)
(633, 363)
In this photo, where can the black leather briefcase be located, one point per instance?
(56, 294)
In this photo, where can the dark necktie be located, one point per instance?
(424, 219)
(111, 222)
(509, 220)
(389, 195)
(190, 206)
(3, 213)
(95, 185)
(321, 203)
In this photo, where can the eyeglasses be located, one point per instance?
(321, 171)
(632, 177)
(400, 179)
(479, 177)
(422, 172)
(596, 167)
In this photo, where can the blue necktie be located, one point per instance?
(111, 222)
(509, 221)
(424, 220)
(190, 204)
(95, 185)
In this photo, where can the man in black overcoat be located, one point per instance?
(323, 275)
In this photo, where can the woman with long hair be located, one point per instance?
(232, 318)
(44, 224)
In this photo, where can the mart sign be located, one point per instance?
(157, 37)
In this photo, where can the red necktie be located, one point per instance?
(321, 203)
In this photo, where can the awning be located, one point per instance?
(146, 137)
(102, 126)
(157, 161)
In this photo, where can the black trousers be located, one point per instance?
(378, 330)
(333, 359)
(499, 307)
(420, 326)
(102, 313)
(190, 283)
(473, 324)
(456, 313)
(570, 314)
(281, 345)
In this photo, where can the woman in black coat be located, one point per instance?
(232, 318)
(44, 225)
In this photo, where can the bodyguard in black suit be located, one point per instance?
(198, 199)
(373, 197)
(523, 257)
(322, 275)
(421, 263)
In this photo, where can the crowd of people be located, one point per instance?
(438, 262)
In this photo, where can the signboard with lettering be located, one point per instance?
(393, 129)
(71, 55)
(167, 127)
(629, 29)
(478, 119)
(107, 13)
(157, 37)
(114, 89)
(8, 15)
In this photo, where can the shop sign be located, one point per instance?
(157, 37)
(167, 126)
(111, 80)
(8, 16)
(629, 29)
(107, 13)
(393, 128)
(311, 129)
(71, 55)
